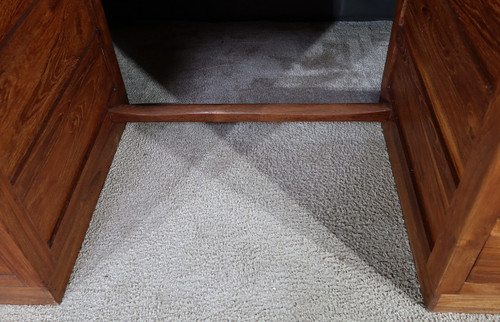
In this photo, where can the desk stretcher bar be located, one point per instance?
(378, 112)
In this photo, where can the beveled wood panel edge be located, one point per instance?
(74, 224)
(465, 303)
(473, 209)
(397, 24)
(376, 112)
(26, 296)
(411, 208)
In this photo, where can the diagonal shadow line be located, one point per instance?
(353, 208)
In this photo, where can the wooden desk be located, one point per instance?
(63, 108)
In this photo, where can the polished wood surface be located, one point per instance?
(65, 107)
(250, 112)
(434, 176)
(46, 56)
(57, 140)
(444, 89)
(455, 82)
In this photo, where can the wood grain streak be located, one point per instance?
(52, 168)
(35, 64)
(434, 178)
(459, 91)
(11, 14)
(481, 21)
(474, 209)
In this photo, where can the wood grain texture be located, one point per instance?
(456, 85)
(52, 168)
(250, 112)
(481, 21)
(11, 12)
(410, 204)
(468, 303)
(20, 241)
(486, 270)
(69, 237)
(4, 268)
(56, 146)
(392, 52)
(474, 210)
(36, 63)
(108, 50)
(26, 295)
(433, 173)
(480, 288)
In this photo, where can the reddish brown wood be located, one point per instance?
(480, 20)
(56, 145)
(26, 295)
(68, 238)
(419, 240)
(52, 168)
(37, 62)
(398, 22)
(250, 112)
(486, 269)
(474, 210)
(4, 268)
(435, 179)
(108, 50)
(456, 85)
(12, 13)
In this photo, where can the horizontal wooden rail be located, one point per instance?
(378, 112)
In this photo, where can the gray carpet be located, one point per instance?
(248, 221)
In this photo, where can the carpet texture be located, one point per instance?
(247, 221)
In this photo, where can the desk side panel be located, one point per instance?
(60, 79)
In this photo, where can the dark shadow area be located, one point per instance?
(147, 11)
(255, 62)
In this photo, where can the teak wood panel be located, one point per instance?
(52, 168)
(435, 180)
(449, 77)
(486, 269)
(57, 142)
(455, 83)
(10, 13)
(36, 64)
(480, 20)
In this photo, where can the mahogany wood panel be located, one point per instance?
(51, 170)
(432, 169)
(11, 12)
(487, 267)
(392, 52)
(21, 244)
(410, 204)
(468, 303)
(4, 268)
(26, 295)
(473, 211)
(99, 18)
(69, 237)
(480, 289)
(57, 142)
(250, 112)
(480, 20)
(36, 65)
(456, 85)
(461, 123)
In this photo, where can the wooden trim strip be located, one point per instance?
(377, 112)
